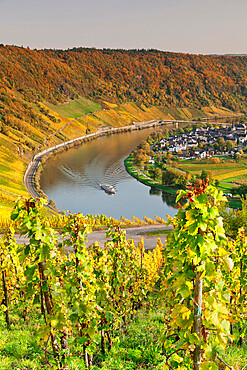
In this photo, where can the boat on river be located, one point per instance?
(108, 188)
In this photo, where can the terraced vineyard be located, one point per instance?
(227, 169)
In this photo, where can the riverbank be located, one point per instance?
(135, 172)
(141, 176)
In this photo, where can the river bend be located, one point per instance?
(72, 179)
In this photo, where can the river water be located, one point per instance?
(72, 179)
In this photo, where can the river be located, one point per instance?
(72, 179)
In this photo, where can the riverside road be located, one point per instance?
(134, 233)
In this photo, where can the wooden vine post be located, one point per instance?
(238, 284)
(11, 273)
(197, 320)
(82, 285)
(6, 299)
(196, 294)
(43, 275)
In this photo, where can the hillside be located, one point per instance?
(149, 77)
(49, 96)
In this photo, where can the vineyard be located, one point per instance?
(77, 303)
(227, 168)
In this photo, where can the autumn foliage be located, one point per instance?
(146, 76)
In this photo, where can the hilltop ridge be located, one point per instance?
(150, 77)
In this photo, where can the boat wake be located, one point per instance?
(94, 176)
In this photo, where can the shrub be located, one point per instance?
(215, 160)
(52, 203)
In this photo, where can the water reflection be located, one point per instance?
(169, 199)
(154, 191)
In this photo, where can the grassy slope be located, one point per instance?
(138, 347)
(75, 109)
(127, 113)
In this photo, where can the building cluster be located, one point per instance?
(201, 142)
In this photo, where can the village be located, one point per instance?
(205, 142)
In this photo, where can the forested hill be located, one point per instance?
(149, 77)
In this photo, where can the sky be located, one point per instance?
(190, 26)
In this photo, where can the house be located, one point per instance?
(206, 136)
(201, 153)
(162, 143)
(184, 154)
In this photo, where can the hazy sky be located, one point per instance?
(193, 26)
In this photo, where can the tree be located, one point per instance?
(174, 178)
(240, 190)
(158, 159)
(216, 146)
(216, 160)
(81, 289)
(236, 156)
(11, 275)
(168, 155)
(140, 157)
(230, 144)
(221, 142)
(158, 174)
(237, 284)
(197, 182)
(144, 146)
(206, 175)
(217, 183)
